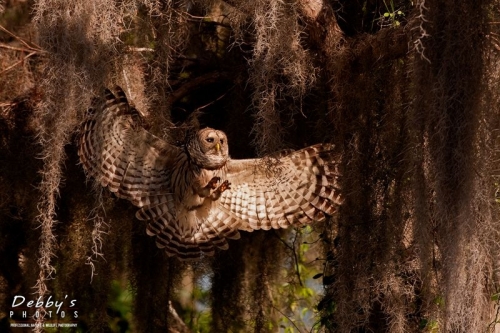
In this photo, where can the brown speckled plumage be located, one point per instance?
(194, 198)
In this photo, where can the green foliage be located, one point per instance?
(120, 307)
(429, 326)
(195, 310)
(298, 296)
(392, 17)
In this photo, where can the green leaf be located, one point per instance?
(439, 300)
(322, 304)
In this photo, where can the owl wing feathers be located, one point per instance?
(297, 187)
(301, 187)
(185, 244)
(135, 165)
(123, 156)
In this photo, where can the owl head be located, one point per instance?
(208, 148)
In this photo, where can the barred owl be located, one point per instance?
(194, 196)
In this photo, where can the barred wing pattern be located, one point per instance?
(303, 187)
(121, 155)
(159, 178)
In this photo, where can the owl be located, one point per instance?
(194, 196)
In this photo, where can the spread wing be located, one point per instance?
(120, 154)
(298, 188)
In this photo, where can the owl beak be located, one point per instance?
(217, 146)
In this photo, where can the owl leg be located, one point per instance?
(207, 190)
(211, 190)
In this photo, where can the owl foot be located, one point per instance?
(223, 187)
(226, 185)
(212, 184)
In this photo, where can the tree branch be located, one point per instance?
(386, 44)
(295, 257)
(179, 324)
(17, 63)
(31, 48)
(360, 52)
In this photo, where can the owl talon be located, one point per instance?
(213, 183)
(226, 185)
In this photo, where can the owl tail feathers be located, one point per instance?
(185, 246)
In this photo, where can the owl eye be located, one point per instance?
(221, 141)
(210, 140)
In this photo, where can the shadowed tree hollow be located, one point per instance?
(407, 91)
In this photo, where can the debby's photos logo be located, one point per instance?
(48, 313)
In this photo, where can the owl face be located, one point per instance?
(209, 148)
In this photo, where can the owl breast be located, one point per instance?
(192, 199)
(193, 208)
